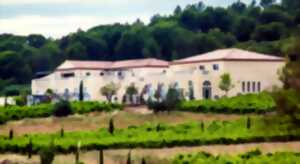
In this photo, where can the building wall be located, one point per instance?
(263, 72)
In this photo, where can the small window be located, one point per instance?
(216, 67)
(253, 86)
(68, 75)
(101, 73)
(248, 86)
(201, 67)
(258, 86)
(164, 71)
(243, 86)
(88, 74)
(120, 73)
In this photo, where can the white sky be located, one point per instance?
(55, 18)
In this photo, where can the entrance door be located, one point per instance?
(206, 89)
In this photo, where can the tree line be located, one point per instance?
(263, 26)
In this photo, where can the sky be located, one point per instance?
(56, 18)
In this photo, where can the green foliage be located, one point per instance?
(47, 153)
(254, 156)
(271, 128)
(46, 110)
(225, 83)
(109, 90)
(250, 103)
(62, 108)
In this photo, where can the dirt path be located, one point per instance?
(161, 156)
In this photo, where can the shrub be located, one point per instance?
(250, 103)
(47, 154)
(62, 108)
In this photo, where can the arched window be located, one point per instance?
(206, 90)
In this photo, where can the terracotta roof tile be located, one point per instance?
(228, 54)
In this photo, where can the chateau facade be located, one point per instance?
(197, 76)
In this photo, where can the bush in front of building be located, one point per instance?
(250, 103)
(47, 110)
(62, 108)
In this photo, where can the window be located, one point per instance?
(258, 86)
(248, 86)
(88, 74)
(216, 67)
(253, 86)
(67, 75)
(201, 67)
(101, 73)
(243, 86)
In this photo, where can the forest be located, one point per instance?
(262, 26)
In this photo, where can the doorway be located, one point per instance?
(206, 90)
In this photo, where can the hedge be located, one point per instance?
(250, 103)
(161, 135)
(46, 110)
(254, 156)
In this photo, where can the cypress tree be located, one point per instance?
(11, 134)
(248, 123)
(62, 132)
(111, 127)
(81, 96)
(202, 126)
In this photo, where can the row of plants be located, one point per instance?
(61, 108)
(244, 130)
(254, 156)
(250, 103)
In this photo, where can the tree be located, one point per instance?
(29, 148)
(109, 90)
(244, 28)
(269, 32)
(36, 41)
(11, 134)
(288, 98)
(238, 7)
(226, 83)
(111, 127)
(172, 99)
(131, 90)
(267, 3)
(81, 94)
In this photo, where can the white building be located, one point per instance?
(250, 72)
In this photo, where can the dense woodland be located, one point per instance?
(263, 26)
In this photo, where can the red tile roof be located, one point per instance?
(137, 63)
(228, 54)
(217, 55)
